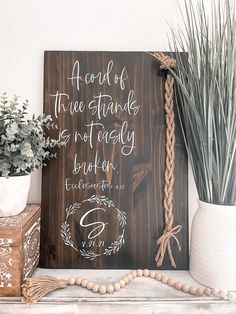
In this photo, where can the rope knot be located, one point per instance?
(168, 234)
(166, 61)
(164, 242)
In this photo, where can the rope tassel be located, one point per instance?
(33, 289)
(164, 243)
(169, 232)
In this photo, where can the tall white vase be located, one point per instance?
(213, 246)
(13, 194)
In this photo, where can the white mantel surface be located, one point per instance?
(141, 296)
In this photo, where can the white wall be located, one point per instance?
(28, 27)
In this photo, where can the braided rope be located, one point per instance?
(169, 231)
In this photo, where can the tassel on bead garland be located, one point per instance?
(33, 289)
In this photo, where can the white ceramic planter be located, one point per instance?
(213, 246)
(13, 194)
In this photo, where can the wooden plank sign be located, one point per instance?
(102, 198)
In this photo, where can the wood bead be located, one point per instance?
(146, 273)
(130, 277)
(134, 273)
(110, 289)
(139, 272)
(78, 281)
(164, 279)
(171, 282)
(222, 294)
(231, 297)
(122, 283)
(95, 288)
(117, 286)
(158, 276)
(193, 290)
(200, 291)
(215, 292)
(207, 291)
(102, 289)
(84, 282)
(71, 281)
(185, 288)
(178, 285)
(89, 285)
(152, 274)
(126, 279)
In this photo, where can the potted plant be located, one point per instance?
(206, 87)
(24, 147)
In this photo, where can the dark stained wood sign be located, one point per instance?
(102, 198)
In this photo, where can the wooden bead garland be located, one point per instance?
(35, 288)
(200, 291)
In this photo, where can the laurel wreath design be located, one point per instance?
(66, 235)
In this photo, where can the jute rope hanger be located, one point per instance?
(164, 242)
(33, 289)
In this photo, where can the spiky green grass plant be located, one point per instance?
(206, 86)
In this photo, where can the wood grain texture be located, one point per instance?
(141, 174)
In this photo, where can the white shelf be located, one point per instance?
(141, 296)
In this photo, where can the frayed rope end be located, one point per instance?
(164, 243)
(33, 289)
